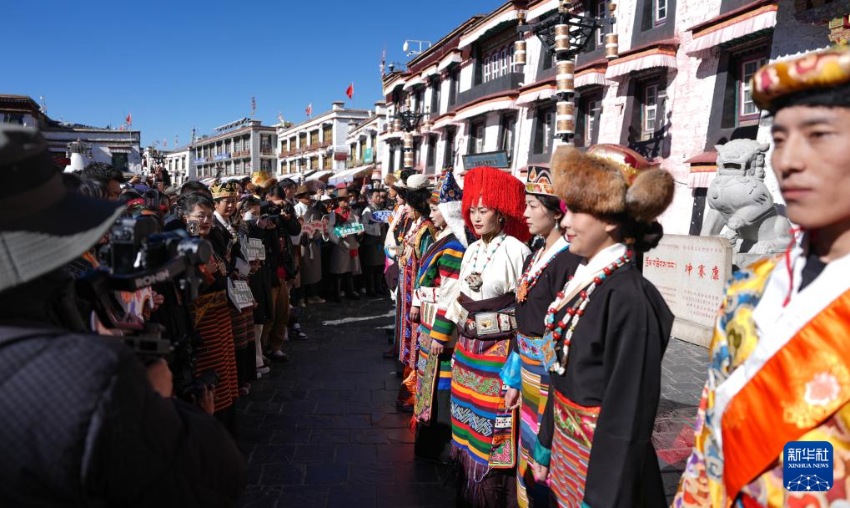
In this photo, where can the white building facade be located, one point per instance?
(320, 143)
(180, 164)
(236, 149)
(363, 149)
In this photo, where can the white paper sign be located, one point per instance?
(256, 250)
(240, 294)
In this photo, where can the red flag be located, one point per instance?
(129, 119)
(309, 109)
(350, 91)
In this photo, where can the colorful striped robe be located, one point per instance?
(438, 279)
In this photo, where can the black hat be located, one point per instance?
(42, 225)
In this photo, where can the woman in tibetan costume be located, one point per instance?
(527, 371)
(483, 428)
(437, 286)
(611, 327)
(415, 242)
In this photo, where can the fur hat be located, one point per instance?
(389, 180)
(262, 179)
(498, 190)
(611, 180)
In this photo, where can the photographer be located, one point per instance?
(85, 423)
(283, 269)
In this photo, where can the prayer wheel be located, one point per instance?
(562, 38)
(565, 76)
(612, 49)
(565, 118)
(408, 150)
(519, 53)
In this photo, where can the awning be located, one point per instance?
(649, 58)
(493, 22)
(453, 57)
(349, 175)
(391, 135)
(732, 25)
(443, 121)
(393, 85)
(590, 77)
(414, 82)
(535, 94)
(486, 107)
(431, 71)
(318, 175)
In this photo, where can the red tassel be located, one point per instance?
(498, 190)
(412, 425)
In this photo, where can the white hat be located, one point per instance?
(417, 181)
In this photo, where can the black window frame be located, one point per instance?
(431, 153)
(474, 125)
(507, 123)
(436, 94)
(591, 95)
(541, 144)
(449, 147)
(454, 85)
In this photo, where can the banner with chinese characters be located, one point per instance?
(691, 273)
(382, 215)
(348, 229)
(311, 228)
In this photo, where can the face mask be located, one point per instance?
(249, 215)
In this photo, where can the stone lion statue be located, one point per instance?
(739, 200)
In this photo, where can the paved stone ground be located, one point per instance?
(322, 430)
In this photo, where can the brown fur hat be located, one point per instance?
(611, 180)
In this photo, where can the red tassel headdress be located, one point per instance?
(498, 190)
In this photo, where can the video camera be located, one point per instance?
(139, 256)
(273, 212)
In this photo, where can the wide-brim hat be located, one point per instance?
(43, 226)
(302, 189)
(611, 181)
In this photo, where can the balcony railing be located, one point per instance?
(509, 81)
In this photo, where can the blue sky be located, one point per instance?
(181, 64)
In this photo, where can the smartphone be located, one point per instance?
(193, 227)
